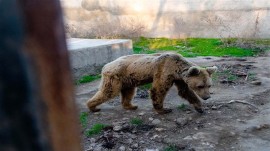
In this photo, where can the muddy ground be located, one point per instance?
(237, 116)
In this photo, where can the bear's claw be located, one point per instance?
(94, 109)
(199, 110)
(164, 111)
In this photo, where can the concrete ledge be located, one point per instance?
(88, 56)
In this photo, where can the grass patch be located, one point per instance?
(88, 78)
(146, 86)
(171, 148)
(95, 129)
(192, 47)
(226, 74)
(182, 106)
(136, 121)
(83, 119)
(252, 76)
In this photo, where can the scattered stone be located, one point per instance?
(188, 138)
(117, 128)
(92, 140)
(122, 148)
(154, 137)
(142, 142)
(159, 129)
(214, 107)
(151, 118)
(125, 119)
(181, 121)
(151, 149)
(188, 111)
(141, 114)
(241, 121)
(256, 82)
(156, 121)
(134, 146)
(130, 140)
(116, 135)
(98, 148)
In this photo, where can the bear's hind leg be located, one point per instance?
(126, 98)
(110, 88)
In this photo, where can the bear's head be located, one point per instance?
(200, 81)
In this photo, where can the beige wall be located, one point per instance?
(170, 18)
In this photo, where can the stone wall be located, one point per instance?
(168, 18)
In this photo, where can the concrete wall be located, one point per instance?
(169, 18)
(88, 56)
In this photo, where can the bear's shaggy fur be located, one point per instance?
(123, 75)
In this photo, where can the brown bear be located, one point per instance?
(124, 74)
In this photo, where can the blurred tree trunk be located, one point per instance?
(37, 108)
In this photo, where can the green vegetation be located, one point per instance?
(95, 129)
(88, 78)
(136, 121)
(83, 119)
(226, 74)
(146, 86)
(193, 47)
(171, 148)
(252, 76)
(182, 106)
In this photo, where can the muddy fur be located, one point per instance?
(123, 75)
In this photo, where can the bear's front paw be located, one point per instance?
(199, 110)
(131, 107)
(164, 111)
(94, 109)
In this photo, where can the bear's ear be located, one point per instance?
(211, 70)
(194, 70)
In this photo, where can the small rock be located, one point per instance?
(151, 149)
(188, 138)
(122, 148)
(117, 128)
(188, 112)
(156, 121)
(241, 121)
(151, 118)
(134, 146)
(154, 137)
(256, 82)
(125, 119)
(159, 129)
(181, 121)
(141, 114)
(142, 142)
(98, 148)
(116, 135)
(92, 140)
(214, 107)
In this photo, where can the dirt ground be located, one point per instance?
(237, 116)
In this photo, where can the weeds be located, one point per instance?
(95, 129)
(146, 86)
(83, 119)
(88, 78)
(192, 47)
(182, 106)
(136, 121)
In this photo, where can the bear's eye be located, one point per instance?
(200, 86)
